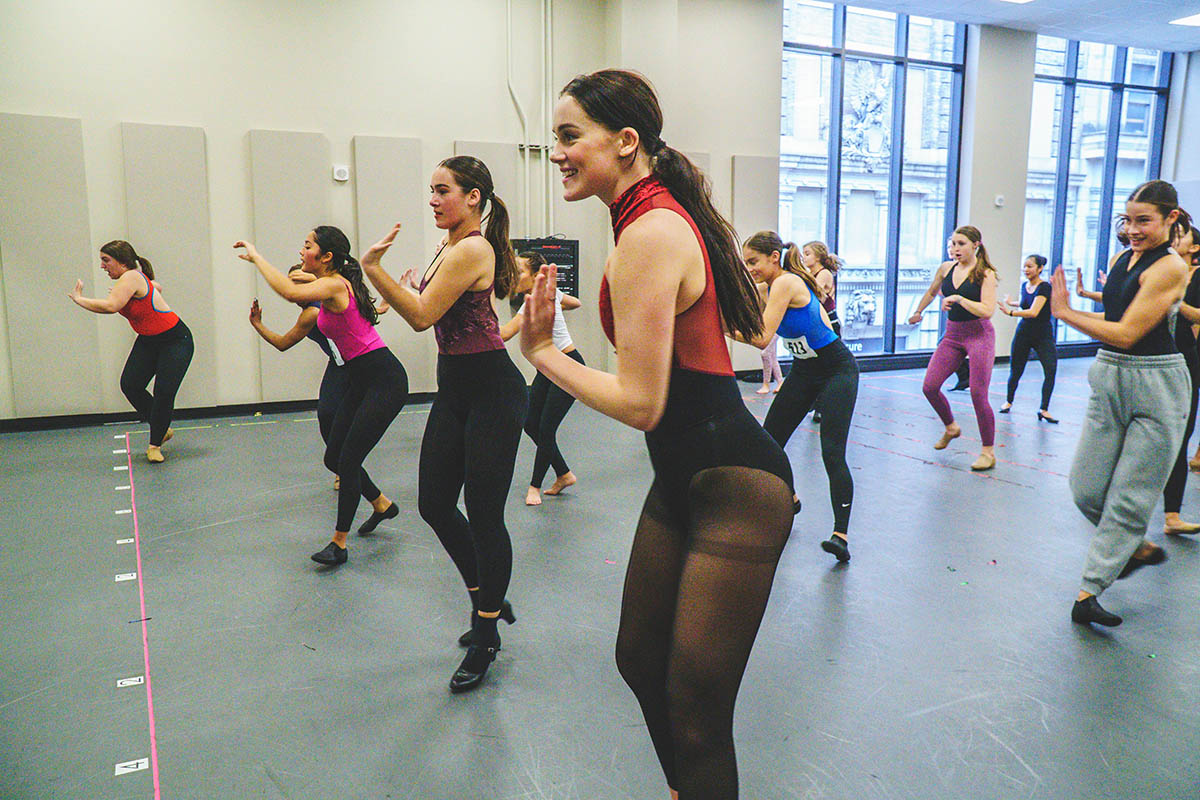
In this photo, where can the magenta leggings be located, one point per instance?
(975, 338)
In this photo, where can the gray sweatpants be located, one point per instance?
(1131, 436)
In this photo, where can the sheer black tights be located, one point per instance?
(695, 593)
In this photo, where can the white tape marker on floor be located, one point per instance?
(125, 576)
(121, 488)
(136, 680)
(126, 767)
(123, 511)
(120, 467)
(119, 452)
(124, 541)
(119, 436)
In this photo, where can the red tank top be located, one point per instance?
(144, 317)
(699, 344)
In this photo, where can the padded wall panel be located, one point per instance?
(291, 178)
(390, 181)
(166, 208)
(755, 208)
(45, 246)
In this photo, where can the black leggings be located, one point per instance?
(830, 382)
(1177, 482)
(377, 389)
(1025, 339)
(470, 446)
(704, 555)
(333, 388)
(165, 358)
(548, 405)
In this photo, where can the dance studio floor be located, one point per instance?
(940, 663)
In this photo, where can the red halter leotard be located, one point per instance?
(699, 344)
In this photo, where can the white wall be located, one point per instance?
(1181, 158)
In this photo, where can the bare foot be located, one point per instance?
(561, 482)
(777, 388)
(534, 496)
(763, 390)
(337, 482)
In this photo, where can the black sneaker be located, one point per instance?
(377, 517)
(331, 556)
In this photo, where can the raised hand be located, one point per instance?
(250, 255)
(1101, 277)
(375, 252)
(537, 331)
(409, 279)
(1008, 300)
(915, 319)
(1060, 296)
(255, 312)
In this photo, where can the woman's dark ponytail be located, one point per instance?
(471, 173)
(331, 240)
(620, 99)
(122, 252)
(767, 242)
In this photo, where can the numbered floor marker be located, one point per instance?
(126, 576)
(136, 680)
(126, 767)
(124, 541)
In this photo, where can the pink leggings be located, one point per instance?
(770, 359)
(975, 338)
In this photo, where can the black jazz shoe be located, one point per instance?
(1090, 610)
(473, 667)
(331, 556)
(377, 517)
(838, 546)
(506, 614)
(1155, 556)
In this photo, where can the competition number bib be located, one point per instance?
(799, 347)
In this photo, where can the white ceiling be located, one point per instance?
(1134, 23)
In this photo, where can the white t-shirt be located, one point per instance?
(562, 337)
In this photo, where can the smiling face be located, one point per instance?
(1032, 270)
(763, 267)
(960, 248)
(1146, 226)
(451, 205)
(590, 157)
(112, 268)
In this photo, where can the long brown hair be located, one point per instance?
(767, 242)
(982, 262)
(471, 173)
(825, 258)
(122, 252)
(618, 99)
(331, 240)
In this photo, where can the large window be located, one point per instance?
(1095, 134)
(872, 107)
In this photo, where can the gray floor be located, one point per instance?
(939, 664)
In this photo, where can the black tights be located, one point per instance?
(165, 358)
(694, 597)
(377, 390)
(1042, 342)
(1177, 482)
(333, 389)
(830, 383)
(470, 446)
(548, 405)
